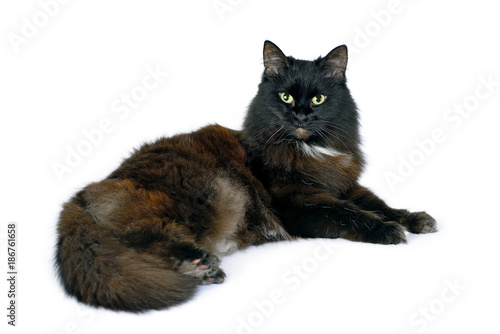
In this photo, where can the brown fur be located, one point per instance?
(146, 236)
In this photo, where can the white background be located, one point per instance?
(410, 62)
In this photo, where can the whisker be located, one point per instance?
(338, 128)
(274, 134)
(328, 135)
(261, 135)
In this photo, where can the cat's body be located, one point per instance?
(147, 235)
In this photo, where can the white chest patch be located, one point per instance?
(315, 151)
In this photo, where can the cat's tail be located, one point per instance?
(98, 270)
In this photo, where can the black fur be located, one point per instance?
(317, 195)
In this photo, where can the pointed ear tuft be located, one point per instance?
(335, 62)
(275, 62)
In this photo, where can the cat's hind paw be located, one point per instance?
(215, 277)
(204, 265)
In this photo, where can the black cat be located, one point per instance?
(155, 228)
(302, 136)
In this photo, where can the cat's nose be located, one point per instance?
(301, 118)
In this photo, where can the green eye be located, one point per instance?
(318, 99)
(287, 98)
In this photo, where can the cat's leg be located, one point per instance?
(340, 219)
(136, 217)
(186, 258)
(415, 222)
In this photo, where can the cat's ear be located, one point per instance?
(275, 62)
(335, 62)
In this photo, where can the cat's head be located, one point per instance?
(301, 101)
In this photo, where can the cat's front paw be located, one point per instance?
(387, 233)
(420, 222)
